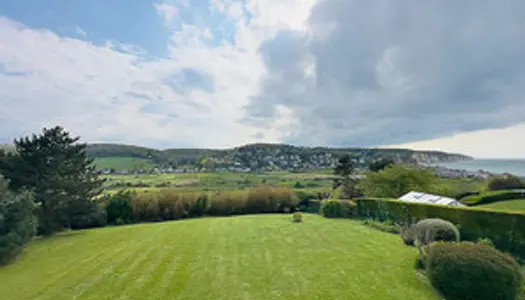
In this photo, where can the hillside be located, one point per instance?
(255, 157)
(247, 257)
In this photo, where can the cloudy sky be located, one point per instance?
(441, 74)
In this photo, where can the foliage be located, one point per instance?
(494, 196)
(119, 209)
(332, 208)
(408, 234)
(167, 204)
(517, 205)
(485, 241)
(17, 221)
(396, 180)
(465, 271)
(505, 182)
(228, 203)
(381, 164)
(345, 181)
(54, 165)
(297, 217)
(259, 199)
(433, 230)
(382, 226)
(504, 229)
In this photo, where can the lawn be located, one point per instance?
(508, 205)
(248, 257)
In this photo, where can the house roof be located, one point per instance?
(429, 199)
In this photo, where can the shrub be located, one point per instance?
(305, 196)
(17, 221)
(503, 228)
(228, 203)
(119, 210)
(332, 208)
(297, 217)
(314, 206)
(86, 214)
(433, 230)
(506, 182)
(168, 204)
(494, 196)
(468, 271)
(408, 234)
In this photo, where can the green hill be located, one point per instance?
(268, 157)
(124, 163)
(248, 257)
(508, 205)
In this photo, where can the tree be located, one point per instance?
(345, 184)
(17, 221)
(505, 182)
(380, 164)
(56, 167)
(396, 180)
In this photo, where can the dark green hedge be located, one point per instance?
(332, 208)
(491, 197)
(506, 230)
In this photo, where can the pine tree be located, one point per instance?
(56, 167)
(345, 170)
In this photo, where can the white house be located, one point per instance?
(429, 199)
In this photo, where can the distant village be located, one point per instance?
(247, 162)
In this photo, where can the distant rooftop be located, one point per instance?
(419, 197)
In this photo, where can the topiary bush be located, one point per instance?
(332, 208)
(297, 217)
(433, 230)
(408, 234)
(468, 271)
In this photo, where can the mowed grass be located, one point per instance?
(507, 205)
(247, 257)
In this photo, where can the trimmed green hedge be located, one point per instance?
(332, 208)
(506, 230)
(491, 197)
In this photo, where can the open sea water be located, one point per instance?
(498, 166)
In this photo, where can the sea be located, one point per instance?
(497, 166)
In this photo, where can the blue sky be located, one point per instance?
(220, 73)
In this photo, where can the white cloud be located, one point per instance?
(109, 93)
(167, 11)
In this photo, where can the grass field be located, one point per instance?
(248, 257)
(219, 181)
(123, 163)
(509, 205)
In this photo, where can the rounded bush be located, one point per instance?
(468, 271)
(297, 217)
(434, 230)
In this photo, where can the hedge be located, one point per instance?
(505, 229)
(491, 197)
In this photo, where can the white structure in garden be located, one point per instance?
(429, 199)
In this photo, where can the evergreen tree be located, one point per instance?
(56, 167)
(17, 221)
(345, 179)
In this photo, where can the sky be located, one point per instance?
(438, 74)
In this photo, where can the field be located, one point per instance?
(219, 181)
(123, 163)
(509, 205)
(248, 257)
